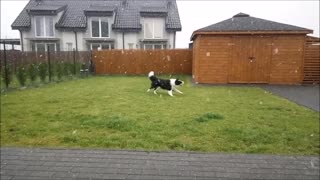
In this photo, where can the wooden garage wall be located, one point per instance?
(287, 59)
(211, 58)
(312, 61)
(195, 59)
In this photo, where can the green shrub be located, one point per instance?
(21, 75)
(67, 69)
(7, 78)
(52, 70)
(43, 70)
(33, 72)
(71, 68)
(59, 71)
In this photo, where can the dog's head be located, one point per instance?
(178, 82)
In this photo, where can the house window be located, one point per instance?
(100, 46)
(155, 46)
(44, 26)
(42, 47)
(153, 29)
(99, 27)
(148, 46)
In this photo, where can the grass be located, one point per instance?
(116, 112)
(14, 84)
(208, 116)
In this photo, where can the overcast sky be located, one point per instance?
(197, 14)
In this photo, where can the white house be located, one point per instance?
(64, 25)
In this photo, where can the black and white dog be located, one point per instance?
(166, 84)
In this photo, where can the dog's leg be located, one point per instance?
(152, 87)
(170, 93)
(155, 90)
(175, 89)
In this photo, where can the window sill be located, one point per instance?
(103, 39)
(153, 40)
(43, 39)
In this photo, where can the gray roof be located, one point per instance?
(95, 10)
(127, 13)
(244, 22)
(94, 7)
(45, 9)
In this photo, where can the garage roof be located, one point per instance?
(245, 24)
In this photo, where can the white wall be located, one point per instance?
(26, 43)
(131, 38)
(67, 37)
(82, 46)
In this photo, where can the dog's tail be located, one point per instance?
(151, 73)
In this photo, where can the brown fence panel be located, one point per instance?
(11, 56)
(68, 56)
(312, 61)
(177, 61)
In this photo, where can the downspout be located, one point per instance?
(21, 41)
(174, 40)
(122, 40)
(76, 38)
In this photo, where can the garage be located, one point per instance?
(245, 49)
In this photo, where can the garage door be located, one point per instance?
(250, 61)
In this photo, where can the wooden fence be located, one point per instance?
(16, 58)
(177, 61)
(312, 61)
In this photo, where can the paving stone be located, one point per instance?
(3, 177)
(31, 178)
(44, 174)
(65, 175)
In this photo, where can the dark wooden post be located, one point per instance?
(91, 69)
(6, 78)
(74, 61)
(49, 64)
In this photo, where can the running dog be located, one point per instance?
(166, 84)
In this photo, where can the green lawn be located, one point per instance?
(116, 112)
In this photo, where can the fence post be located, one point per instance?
(5, 65)
(49, 64)
(91, 63)
(74, 61)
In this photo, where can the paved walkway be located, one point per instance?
(306, 95)
(21, 163)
